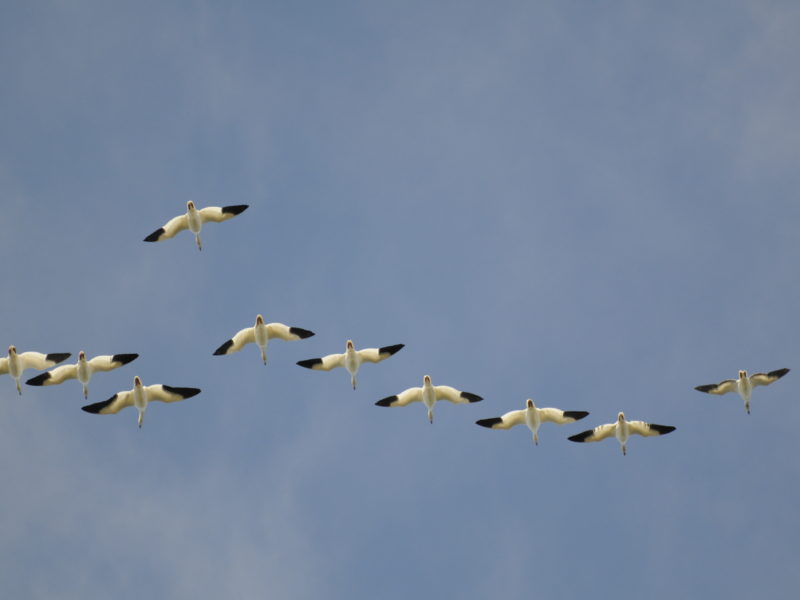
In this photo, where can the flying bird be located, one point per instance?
(261, 333)
(15, 363)
(351, 360)
(193, 220)
(744, 385)
(623, 430)
(533, 417)
(140, 396)
(82, 370)
(428, 394)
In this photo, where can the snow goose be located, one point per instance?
(744, 385)
(622, 429)
(15, 363)
(193, 220)
(261, 333)
(82, 370)
(429, 394)
(140, 396)
(533, 417)
(351, 359)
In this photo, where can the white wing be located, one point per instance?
(729, 385)
(39, 361)
(326, 363)
(172, 228)
(375, 355)
(166, 393)
(56, 376)
(556, 415)
(108, 362)
(767, 378)
(648, 429)
(237, 342)
(507, 421)
(600, 432)
(111, 406)
(284, 332)
(451, 394)
(218, 214)
(3, 366)
(402, 399)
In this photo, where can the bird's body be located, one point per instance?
(351, 360)
(193, 220)
(14, 364)
(260, 334)
(533, 417)
(82, 370)
(622, 429)
(429, 394)
(743, 386)
(140, 396)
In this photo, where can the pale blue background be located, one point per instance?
(591, 204)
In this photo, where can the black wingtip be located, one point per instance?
(778, 373)
(235, 209)
(662, 429)
(309, 363)
(224, 348)
(124, 358)
(581, 437)
(98, 406)
(489, 422)
(471, 397)
(576, 414)
(301, 333)
(386, 401)
(57, 357)
(39, 379)
(706, 388)
(184, 392)
(153, 237)
(390, 350)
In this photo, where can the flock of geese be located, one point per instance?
(351, 360)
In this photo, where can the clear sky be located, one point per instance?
(594, 205)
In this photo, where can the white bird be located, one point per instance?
(15, 363)
(139, 397)
(533, 417)
(428, 394)
(261, 333)
(744, 385)
(351, 359)
(82, 370)
(623, 430)
(193, 220)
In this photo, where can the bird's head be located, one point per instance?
(529, 403)
(742, 374)
(81, 355)
(426, 380)
(259, 320)
(621, 417)
(350, 345)
(137, 381)
(190, 205)
(12, 350)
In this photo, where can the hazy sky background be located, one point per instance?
(593, 205)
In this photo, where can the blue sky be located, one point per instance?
(593, 206)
